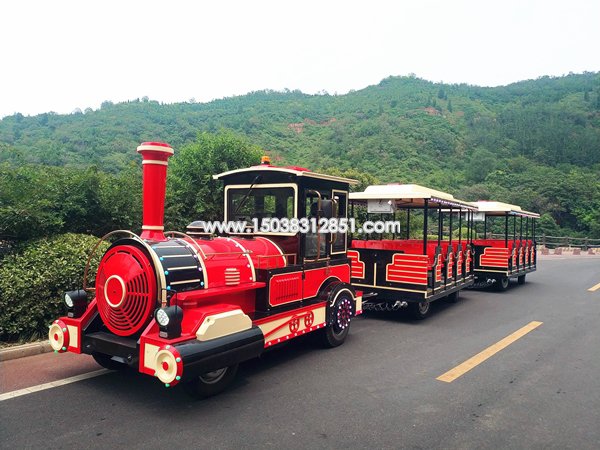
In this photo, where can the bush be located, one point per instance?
(33, 279)
(38, 201)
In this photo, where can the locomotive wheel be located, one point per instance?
(454, 297)
(521, 279)
(107, 362)
(338, 323)
(501, 284)
(211, 383)
(419, 310)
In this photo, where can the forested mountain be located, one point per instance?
(535, 143)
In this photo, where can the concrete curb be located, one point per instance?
(21, 351)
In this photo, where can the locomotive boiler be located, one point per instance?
(189, 307)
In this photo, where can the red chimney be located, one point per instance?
(155, 156)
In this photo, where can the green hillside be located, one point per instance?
(535, 143)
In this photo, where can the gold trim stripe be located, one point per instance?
(155, 162)
(182, 268)
(397, 270)
(156, 148)
(390, 288)
(185, 281)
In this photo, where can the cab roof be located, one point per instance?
(409, 195)
(492, 208)
(293, 170)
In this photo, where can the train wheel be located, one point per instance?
(521, 279)
(501, 284)
(453, 298)
(419, 310)
(107, 362)
(211, 383)
(338, 321)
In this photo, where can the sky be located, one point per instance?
(61, 55)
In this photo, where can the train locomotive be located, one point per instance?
(187, 308)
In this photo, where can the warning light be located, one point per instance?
(266, 160)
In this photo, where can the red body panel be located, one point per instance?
(494, 257)
(357, 266)
(285, 288)
(265, 254)
(314, 278)
(79, 323)
(450, 266)
(407, 269)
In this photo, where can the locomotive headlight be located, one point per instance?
(76, 302)
(169, 321)
(162, 317)
(68, 300)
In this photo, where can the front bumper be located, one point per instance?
(171, 361)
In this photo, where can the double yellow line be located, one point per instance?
(480, 357)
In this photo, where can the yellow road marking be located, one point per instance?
(594, 288)
(480, 357)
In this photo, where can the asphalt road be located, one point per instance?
(378, 390)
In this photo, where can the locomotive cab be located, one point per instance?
(290, 207)
(188, 308)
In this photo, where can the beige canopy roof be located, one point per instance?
(492, 208)
(409, 195)
(297, 171)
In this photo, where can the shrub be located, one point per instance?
(33, 279)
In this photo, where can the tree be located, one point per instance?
(364, 179)
(480, 164)
(192, 192)
(534, 132)
(547, 225)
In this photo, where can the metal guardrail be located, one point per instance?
(552, 242)
(583, 243)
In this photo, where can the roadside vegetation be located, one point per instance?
(534, 143)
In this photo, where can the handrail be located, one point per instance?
(285, 255)
(206, 256)
(93, 252)
(179, 233)
(244, 253)
(319, 204)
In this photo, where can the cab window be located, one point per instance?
(259, 203)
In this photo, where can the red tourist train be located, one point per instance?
(513, 254)
(190, 309)
(187, 308)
